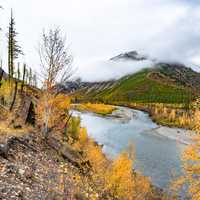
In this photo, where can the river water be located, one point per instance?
(156, 156)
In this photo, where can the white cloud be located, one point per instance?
(107, 70)
(98, 30)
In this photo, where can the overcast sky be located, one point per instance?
(99, 29)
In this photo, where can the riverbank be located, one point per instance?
(170, 115)
(125, 114)
(181, 135)
(101, 109)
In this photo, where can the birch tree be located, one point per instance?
(56, 69)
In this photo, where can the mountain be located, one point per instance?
(132, 55)
(164, 83)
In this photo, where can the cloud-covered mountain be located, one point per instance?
(130, 56)
(163, 83)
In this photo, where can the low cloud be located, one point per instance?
(167, 30)
(109, 70)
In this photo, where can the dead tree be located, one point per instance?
(14, 95)
(23, 77)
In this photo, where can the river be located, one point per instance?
(156, 156)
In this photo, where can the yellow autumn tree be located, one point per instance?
(56, 70)
(115, 179)
(96, 157)
(191, 166)
(120, 179)
(196, 121)
(58, 107)
(82, 139)
(172, 115)
(123, 183)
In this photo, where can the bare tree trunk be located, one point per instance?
(14, 97)
(23, 78)
(1, 77)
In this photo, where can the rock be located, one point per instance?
(3, 150)
(53, 143)
(21, 172)
(29, 173)
(9, 168)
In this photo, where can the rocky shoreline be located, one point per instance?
(180, 135)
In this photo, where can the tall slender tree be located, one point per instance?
(30, 77)
(18, 72)
(14, 50)
(27, 76)
(35, 80)
(23, 77)
(1, 72)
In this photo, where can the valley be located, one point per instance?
(99, 100)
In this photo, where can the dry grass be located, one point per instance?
(6, 130)
(102, 109)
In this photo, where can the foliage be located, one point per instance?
(5, 92)
(14, 50)
(56, 69)
(196, 120)
(191, 169)
(96, 108)
(112, 179)
(74, 128)
(56, 108)
(191, 164)
(191, 160)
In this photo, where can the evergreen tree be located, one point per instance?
(14, 50)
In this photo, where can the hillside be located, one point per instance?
(164, 83)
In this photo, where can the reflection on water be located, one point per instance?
(156, 156)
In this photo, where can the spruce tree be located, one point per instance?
(14, 50)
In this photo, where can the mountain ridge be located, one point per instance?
(163, 83)
(131, 55)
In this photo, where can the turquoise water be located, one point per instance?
(156, 156)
